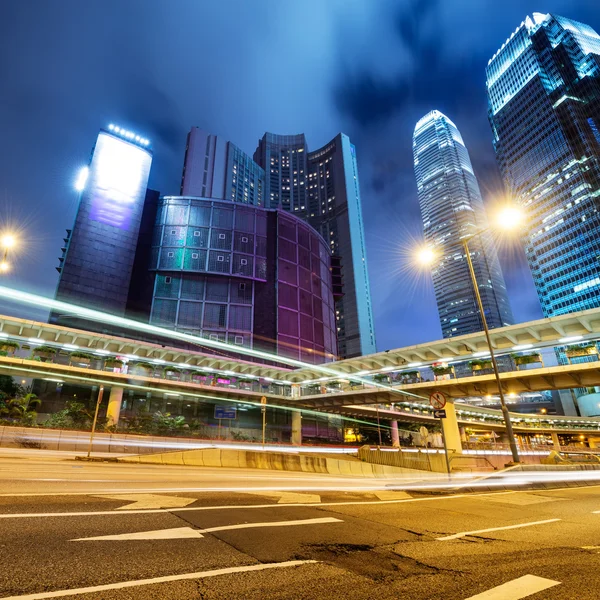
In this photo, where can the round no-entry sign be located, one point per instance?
(437, 400)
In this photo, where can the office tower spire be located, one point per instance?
(452, 208)
(543, 90)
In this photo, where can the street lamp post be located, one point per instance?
(509, 430)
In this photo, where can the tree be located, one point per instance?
(21, 408)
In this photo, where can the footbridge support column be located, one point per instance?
(296, 428)
(451, 429)
(395, 435)
(114, 405)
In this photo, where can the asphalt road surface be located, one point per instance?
(115, 540)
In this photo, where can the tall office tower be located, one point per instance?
(544, 108)
(98, 255)
(216, 168)
(452, 209)
(322, 188)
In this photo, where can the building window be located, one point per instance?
(196, 234)
(244, 240)
(194, 255)
(170, 254)
(239, 340)
(243, 261)
(167, 280)
(221, 236)
(242, 287)
(173, 232)
(220, 258)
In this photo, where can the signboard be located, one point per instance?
(263, 401)
(439, 414)
(225, 412)
(437, 400)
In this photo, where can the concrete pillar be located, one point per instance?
(593, 442)
(296, 428)
(295, 390)
(463, 434)
(451, 430)
(395, 436)
(114, 405)
(555, 441)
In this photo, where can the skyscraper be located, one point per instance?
(322, 188)
(216, 168)
(98, 254)
(452, 208)
(544, 108)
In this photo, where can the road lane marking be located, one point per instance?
(176, 533)
(517, 588)
(289, 497)
(167, 579)
(147, 501)
(461, 534)
(273, 524)
(188, 532)
(231, 507)
(390, 495)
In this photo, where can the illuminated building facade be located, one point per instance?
(216, 168)
(98, 253)
(452, 209)
(244, 275)
(322, 188)
(543, 90)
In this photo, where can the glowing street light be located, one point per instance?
(509, 218)
(4, 266)
(7, 241)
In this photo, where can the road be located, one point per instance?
(99, 531)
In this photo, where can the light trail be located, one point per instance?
(95, 315)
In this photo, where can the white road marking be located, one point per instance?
(176, 533)
(188, 532)
(390, 495)
(522, 499)
(461, 534)
(289, 497)
(155, 580)
(273, 524)
(517, 588)
(147, 501)
(231, 507)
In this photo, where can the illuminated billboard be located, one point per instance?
(117, 181)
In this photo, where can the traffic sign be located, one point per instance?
(263, 400)
(223, 412)
(439, 414)
(437, 400)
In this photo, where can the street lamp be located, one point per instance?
(507, 219)
(7, 241)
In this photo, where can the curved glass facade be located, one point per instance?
(243, 274)
(452, 209)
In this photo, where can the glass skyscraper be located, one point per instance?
(452, 209)
(543, 89)
(322, 188)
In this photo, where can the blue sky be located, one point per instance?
(370, 68)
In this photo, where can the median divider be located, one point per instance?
(274, 461)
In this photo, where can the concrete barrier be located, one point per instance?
(275, 461)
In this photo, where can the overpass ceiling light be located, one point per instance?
(36, 341)
(206, 368)
(229, 373)
(70, 347)
(487, 353)
(573, 338)
(3, 335)
(323, 379)
(101, 351)
(268, 379)
(414, 364)
(386, 369)
(132, 357)
(522, 347)
(361, 373)
(159, 361)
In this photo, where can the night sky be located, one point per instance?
(238, 68)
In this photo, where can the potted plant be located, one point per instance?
(113, 363)
(381, 378)
(82, 358)
(581, 350)
(200, 377)
(408, 376)
(9, 347)
(172, 373)
(245, 383)
(313, 389)
(142, 368)
(441, 370)
(527, 359)
(480, 365)
(44, 353)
